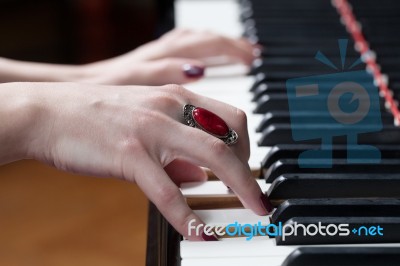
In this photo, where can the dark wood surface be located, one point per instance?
(49, 217)
(162, 241)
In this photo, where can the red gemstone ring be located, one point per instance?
(209, 122)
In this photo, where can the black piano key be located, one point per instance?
(327, 14)
(271, 102)
(284, 40)
(279, 87)
(292, 151)
(285, 75)
(309, 53)
(298, 64)
(344, 256)
(284, 117)
(277, 81)
(267, 88)
(323, 166)
(334, 185)
(282, 134)
(335, 208)
(279, 102)
(353, 230)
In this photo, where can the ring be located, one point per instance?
(209, 122)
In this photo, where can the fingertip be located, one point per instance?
(209, 237)
(196, 230)
(266, 203)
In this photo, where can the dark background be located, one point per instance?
(79, 31)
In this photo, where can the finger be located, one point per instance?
(169, 200)
(235, 119)
(211, 152)
(239, 48)
(254, 49)
(203, 45)
(176, 70)
(182, 171)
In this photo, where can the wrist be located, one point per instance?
(21, 114)
(20, 71)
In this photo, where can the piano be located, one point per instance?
(344, 179)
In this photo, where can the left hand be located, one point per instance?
(185, 43)
(163, 61)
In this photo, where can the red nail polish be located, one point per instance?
(208, 238)
(266, 203)
(192, 71)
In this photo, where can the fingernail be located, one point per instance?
(193, 71)
(209, 238)
(266, 203)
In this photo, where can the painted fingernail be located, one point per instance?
(209, 238)
(266, 203)
(193, 71)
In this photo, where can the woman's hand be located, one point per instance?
(134, 133)
(124, 71)
(185, 43)
(177, 57)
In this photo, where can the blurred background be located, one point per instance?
(48, 217)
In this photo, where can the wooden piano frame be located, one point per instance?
(162, 241)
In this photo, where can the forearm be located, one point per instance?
(20, 116)
(15, 71)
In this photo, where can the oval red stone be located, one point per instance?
(210, 122)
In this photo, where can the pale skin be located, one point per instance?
(156, 63)
(130, 132)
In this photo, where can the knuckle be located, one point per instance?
(168, 195)
(219, 148)
(175, 89)
(241, 117)
(131, 145)
(166, 100)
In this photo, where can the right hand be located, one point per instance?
(135, 133)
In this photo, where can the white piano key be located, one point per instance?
(257, 247)
(204, 189)
(233, 249)
(257, 261)
(228, 216)
(227, 71)
(206, 15)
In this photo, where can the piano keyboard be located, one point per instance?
(362, 193)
